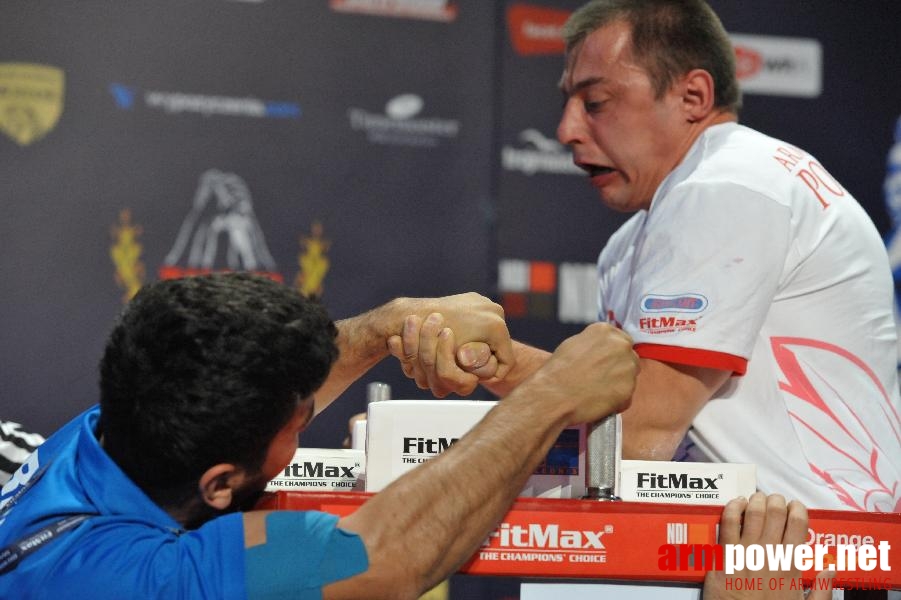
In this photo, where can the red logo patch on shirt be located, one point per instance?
(666, 324)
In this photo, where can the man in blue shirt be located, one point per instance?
(205, 384)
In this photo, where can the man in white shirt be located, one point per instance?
(755, 287)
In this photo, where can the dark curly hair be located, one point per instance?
(206, 370)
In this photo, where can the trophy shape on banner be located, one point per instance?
(220, 233)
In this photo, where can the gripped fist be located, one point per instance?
(596, 370)
(426, 351)
(438, 330)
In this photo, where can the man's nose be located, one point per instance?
(570, 130)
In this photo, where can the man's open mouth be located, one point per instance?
(594, 170)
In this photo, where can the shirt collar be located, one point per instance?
(108, 487)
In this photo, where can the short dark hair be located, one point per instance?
(669, 39)
(205, 370)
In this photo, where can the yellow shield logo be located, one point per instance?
(31, 100)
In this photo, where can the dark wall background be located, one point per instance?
(419, 196)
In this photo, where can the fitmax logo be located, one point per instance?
(418, 445)
(535, 535)
(311, 469)
(662, 322)
(675, 481)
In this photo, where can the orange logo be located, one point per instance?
(535, 29)
(748, 62)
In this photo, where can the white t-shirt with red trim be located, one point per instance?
(753, 259)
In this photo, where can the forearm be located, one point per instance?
(429, 521)
(644, 442)
(666, 400)
(363, 340)
(401, 524)
(362, 343)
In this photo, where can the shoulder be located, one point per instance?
(623, 238)
(734, 158)
(123, 556)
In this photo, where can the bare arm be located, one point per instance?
(427, 523)
(528, 360)
(362, 340)
(667, 396)
(666, 400)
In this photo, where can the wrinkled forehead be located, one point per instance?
(599, 55)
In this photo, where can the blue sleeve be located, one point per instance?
(304, 551)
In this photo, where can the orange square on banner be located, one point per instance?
(542, 277)
(699, 534)
(514, 304)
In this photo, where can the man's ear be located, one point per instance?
(218, 483)
(698, 94)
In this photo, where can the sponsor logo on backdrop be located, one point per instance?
(129, 98)
(428, 10)
(527, 288)
(126, 255)
(400, 124)
(313, 262)
(220, 232)
(31, 100)
(578, 296)
(533, 289)
(536, 30)
(538, 154)
(779, 66)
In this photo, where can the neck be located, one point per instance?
(696, 128)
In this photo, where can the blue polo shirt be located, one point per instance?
(129, 547)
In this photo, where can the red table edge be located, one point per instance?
(291, 500)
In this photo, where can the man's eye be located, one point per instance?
(593, 106)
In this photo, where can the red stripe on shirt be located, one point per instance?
(693, 357)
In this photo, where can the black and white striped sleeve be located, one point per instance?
(15, 446)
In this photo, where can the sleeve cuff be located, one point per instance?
(694, 357)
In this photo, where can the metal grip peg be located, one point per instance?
(377, 391)
(601, 459)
